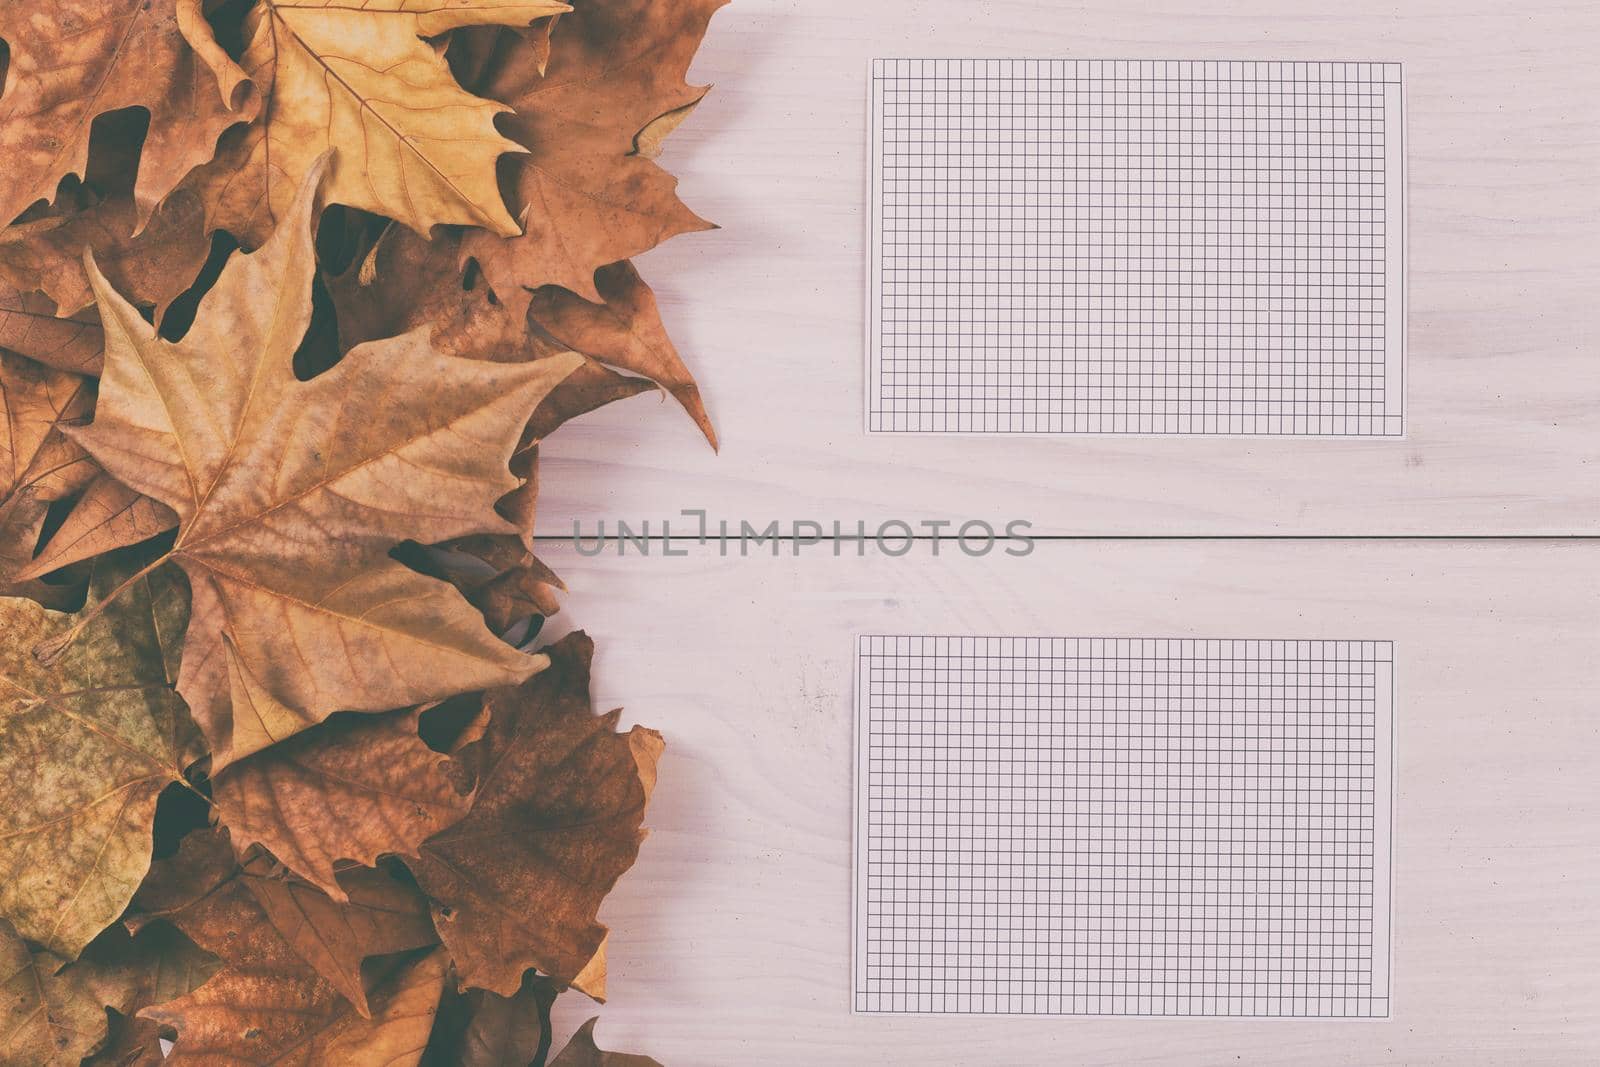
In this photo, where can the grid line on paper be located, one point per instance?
(1060, 826)
(1139, 246)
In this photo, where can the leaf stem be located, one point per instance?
(48, 652)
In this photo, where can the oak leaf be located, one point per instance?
(555, 822)
(298, 936)
(85, 748)
(588, 198)
(356, 787)
(55, 1012)
(290, 494)
(74, 60)
(581, 1051)
(414, 145)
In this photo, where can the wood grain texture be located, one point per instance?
(731, 937)
(1504, 379)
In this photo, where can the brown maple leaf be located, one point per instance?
(151, 267)
(293, 989)
(581, 1051)
(624, 330)
(356, 787)
(478, 1028)
(291, 494)
(587, 196)
(39, 464)
(297, 931)
(108, 516)
(54, 1012)
(255, 1015)
(29, 326)
(414, 146)
(555, 821)
(405, 283)
(85, 748)
(74, 60)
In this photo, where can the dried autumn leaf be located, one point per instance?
(414, 145)
(53, 1016)
(169, 965)
(39, 465)
(518, 593)
(85, 747)
(74, 60)
(625, 331)
(356, 787)
(108, 516)
(406, 283)
(587, 197)
(294, 927)
(555, 822)
(55, 1011)
(208, 895)
(494, 1031)
(249, 1015)
(290, 495)
(581, 1051)
(269, 1004)
(30, 327)
(152, 267)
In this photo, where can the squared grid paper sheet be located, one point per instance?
(1137, 247)
(1058, 826)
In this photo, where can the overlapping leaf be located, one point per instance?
(581, 1051)
(292, 989)
(290, 494)
(152, 266)
(72, 61)
(353, 788)
(297, 932)
(556, 818)
(85, 748)
(55, 1012)
(414, 145)
(482, 1029)
(29, 326)
(588, 197)
(305, 475)
(39, 464)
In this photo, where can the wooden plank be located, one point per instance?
(1504, 386)
(731, 940)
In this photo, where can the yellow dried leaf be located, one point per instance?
(85, 748)
(413, 144)
(291, 494)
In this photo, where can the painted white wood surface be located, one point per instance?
(1504, 374)
(731, 942)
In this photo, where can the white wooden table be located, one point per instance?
(1504, 371)
(731, 937)
(731, 940)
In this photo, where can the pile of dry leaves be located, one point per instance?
(293, 291)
